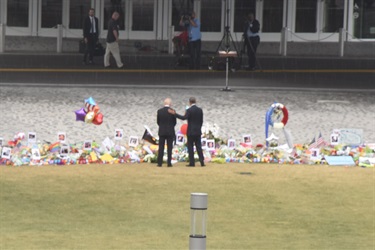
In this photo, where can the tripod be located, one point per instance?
(230, 48)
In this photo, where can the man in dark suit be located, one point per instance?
(252, 40)
(90, 34)
(194, 115)
(166, 122)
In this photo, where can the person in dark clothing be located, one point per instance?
(194, 116)
(166, 122)
(252, 40)
(90, 34)
(113, 42)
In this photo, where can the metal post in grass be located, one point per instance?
(198, 221)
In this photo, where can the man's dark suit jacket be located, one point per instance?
(194, 115)
(166, 122)
(87, 26)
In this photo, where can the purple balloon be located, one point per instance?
(80, 114)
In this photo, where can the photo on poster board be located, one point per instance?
(6, 153)
(231, 143)
(133, 141)
(35, 154)
(119, 134)
(334, 139)
(87, 145)
(204, 143)
(31, 137)
(64, 150)
(180, 140)
(210, 145)
(61, 137)
(315, 154)
(247, 139)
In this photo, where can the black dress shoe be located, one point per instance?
(190, 165)
(169, 165)
(203, 165)
(158, 166)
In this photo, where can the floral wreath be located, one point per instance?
(273, 112)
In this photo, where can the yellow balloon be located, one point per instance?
(89, 117)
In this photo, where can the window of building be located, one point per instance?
(364, 18)
(78, 10)
(180, 8)
(241, 9)
(211, 15)
(333, 16)
(51, 13)
(143, 15)
(306, 15)
(111, 6)
(272, 16)
(18, 13)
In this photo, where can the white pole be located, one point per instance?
(198, 204)
(2, 37)
(342, 34)
(170, 42)
(284, 41)
(59, 38)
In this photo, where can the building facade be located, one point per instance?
(306, 20)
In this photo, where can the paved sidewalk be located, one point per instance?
(47, 111)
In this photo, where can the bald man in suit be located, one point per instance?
(166, 122)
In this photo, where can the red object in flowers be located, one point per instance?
(184, 128)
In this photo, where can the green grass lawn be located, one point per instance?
(140, 206)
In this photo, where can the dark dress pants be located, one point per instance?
(195, 139)
(251, 47)
(195, 54)
(90, 47)
(162, 140)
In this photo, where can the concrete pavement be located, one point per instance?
(48, 110)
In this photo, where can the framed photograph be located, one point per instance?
(61, 136)
(204, 143)
(119, 134)
(247, 139)
(315, 154)
(180, 139)
(1, 142)
(210, 145)
(35, 153)
(231, 143)
(31, 137)
(133, 141)
(64, 150)
(6, 153)
(334, 139)
(87, 145)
